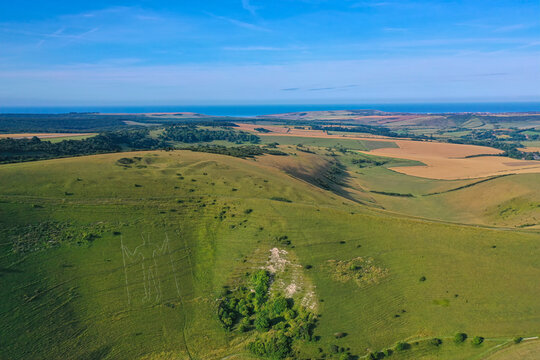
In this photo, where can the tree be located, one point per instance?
(477, 340)
(400, 346)
(262, 323)
(460, 337)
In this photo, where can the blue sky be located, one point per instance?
(274, 51)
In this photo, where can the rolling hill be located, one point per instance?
(104, 257)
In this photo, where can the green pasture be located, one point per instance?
(364, 145)
(78, 137)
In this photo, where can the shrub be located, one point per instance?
(388, 352)
(278, 306)
(400, 346)
(435, 341)
(260, 281)
(262, 323)
(344, 356)
(423, 278)
(334, 349)
(477, 340)
(460, 337)
(279, 198)
(518, 339)
(274, 346)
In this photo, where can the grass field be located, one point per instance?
(197, 221)
(364, 145)
(52, 137)
(525, 351)
(78, 137)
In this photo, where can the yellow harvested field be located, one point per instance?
(530, 149)
(289, 131)
(443, 161)
(43, 135)
(449, 162)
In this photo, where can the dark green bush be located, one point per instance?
(262, 322)
(477, 340)
(460, 337)
(274, 345)
(401, 346)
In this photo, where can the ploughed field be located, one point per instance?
(132, 255)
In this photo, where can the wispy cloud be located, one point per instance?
(479, 24)
(458, 41)
(246, 4)
(372, 4)
(490, 74)
(60, 33)
(394, 29)
(328, 88)
(239, 23)
(262, 48)
(485, 76)
(514, 27)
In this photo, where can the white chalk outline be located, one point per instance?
(150, 275)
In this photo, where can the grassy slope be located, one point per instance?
(524, 351)
(364, 145)
(72, 301)
(508, 201)
(79, 137)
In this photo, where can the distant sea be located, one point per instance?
(252, 110)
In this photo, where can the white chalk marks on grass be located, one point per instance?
(149, 264)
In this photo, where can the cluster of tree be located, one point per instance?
(369, 129)
(193, 134)
(73, 122)
(17, 150)
(263, 130)
(246, 151)
(365, 162)
(510, 135)
(278, 321)
(94, 122)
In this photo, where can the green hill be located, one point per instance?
(108, 258)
